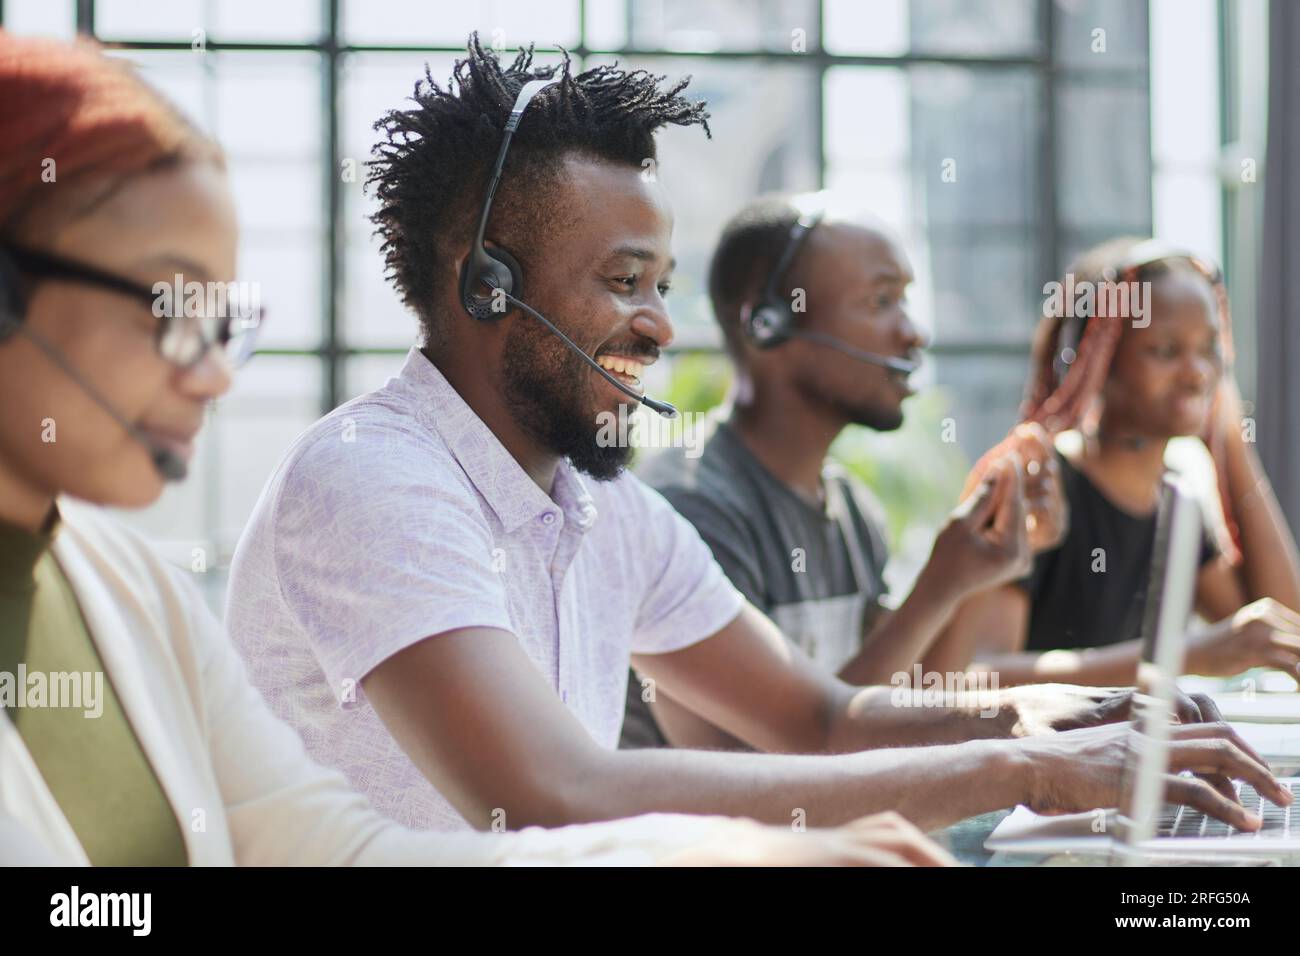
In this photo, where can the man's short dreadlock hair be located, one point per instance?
(433, 163)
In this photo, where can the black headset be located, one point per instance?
(771, 320)
(489, 275)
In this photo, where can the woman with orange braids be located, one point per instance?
(165, 754)
(1117, 389)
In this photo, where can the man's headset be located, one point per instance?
(770, 321)
(13, 312)
(491, 276)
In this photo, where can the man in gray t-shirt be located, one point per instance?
(796, 534)
(817, 572)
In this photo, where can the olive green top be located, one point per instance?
(54, 689)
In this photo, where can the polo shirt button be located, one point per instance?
(548, 517)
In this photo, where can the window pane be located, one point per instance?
(1103, 163)
(155, 20)
(686, 25)
(868, 135)
(273, 399)
(269, 104)
(1187, 212)
(953, 27)
(986, 391)
(52, 18)
(947, 156)
(1184, 84)
(985, 285)
(1101, 34)
(372, 84)
(606, 24)
(256, 20)
(1185, 133)
(228, 20)
(851, 27)
(506, 24)
(269, 121)
(289, 269)
(974, 27)
(974, 142)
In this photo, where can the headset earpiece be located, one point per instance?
(486, 270)
(768, 325)
(13, 305)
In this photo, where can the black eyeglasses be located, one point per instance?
(182, 338)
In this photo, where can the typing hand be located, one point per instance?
(1083, 770)
(1053, 708)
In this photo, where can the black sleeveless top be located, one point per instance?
(1089, 591)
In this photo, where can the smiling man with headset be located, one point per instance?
(432, 592)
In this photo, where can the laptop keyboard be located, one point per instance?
(1179, 821)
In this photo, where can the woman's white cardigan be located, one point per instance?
(242, 786)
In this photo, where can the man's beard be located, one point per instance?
(878, 416)
(548, 391)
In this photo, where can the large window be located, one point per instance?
(1000, 137)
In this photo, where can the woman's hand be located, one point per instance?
(985, 542)
(1262, 634)
(1047, 512)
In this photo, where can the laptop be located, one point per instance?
(1145, 827)
(1256, 707)
(1277, 743)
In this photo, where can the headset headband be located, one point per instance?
(798, 235)
(526, 94)
(1150, 251)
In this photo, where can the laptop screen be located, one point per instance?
(1166, 610)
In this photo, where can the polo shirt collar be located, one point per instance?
(513, 496)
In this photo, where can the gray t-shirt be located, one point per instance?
(818, 574)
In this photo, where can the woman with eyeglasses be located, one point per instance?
(1118, 388)
(129, 734)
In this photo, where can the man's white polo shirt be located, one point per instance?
(399, 516)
